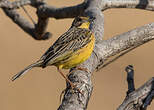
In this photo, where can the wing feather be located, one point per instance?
(72, 40)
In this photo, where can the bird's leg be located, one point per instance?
(72, 85)
(82, 69)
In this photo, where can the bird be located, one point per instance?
(69, 50)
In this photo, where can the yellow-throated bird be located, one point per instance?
(70, 49)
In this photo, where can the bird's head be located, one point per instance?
(81, 22)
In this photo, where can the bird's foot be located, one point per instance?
(82, 69)
(73, 87)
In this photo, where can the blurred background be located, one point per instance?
(40, 89)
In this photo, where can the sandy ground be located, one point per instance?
(40, 88)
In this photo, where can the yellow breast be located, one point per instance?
(79, 56)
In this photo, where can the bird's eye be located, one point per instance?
(79, 19)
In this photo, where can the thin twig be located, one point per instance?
(28, 15)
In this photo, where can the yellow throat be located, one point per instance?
(85, 25)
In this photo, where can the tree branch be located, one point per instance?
(139, 4)
(64, 12)
(46, 10)
(119, 43)
(20, 21)
(137, 99)
(73, 100)
(37, 31)
(14, 5)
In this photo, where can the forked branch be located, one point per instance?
(37, 31)
(140, 98)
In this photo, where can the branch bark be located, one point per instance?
(138, 4)
(119, 43)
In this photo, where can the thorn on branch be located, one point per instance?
(130, 79)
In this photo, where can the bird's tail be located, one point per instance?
(36, 64)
